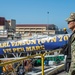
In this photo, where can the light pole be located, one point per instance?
(47, 21)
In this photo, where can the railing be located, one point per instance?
(27, 57)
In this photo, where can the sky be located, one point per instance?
(35, 11)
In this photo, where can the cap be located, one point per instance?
(64, 29)
(72, 17)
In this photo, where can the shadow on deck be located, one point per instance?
(62, 73)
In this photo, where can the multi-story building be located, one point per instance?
(7, 26)
(10, 25)
(25, 29)
(10, 28)
(2, 23)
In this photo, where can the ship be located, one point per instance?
(16, 49)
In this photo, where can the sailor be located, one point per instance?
(65, 31)
(70, 48)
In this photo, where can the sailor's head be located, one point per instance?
(71, 17)
(71, 21)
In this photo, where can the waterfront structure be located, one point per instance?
(31, 29)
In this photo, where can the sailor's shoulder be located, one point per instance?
(72, 38)
(74, 35)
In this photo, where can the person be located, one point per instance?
(70, 48)
(1, 69)
(21, 70)
(65, 31)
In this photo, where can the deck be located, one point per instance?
(62, 73)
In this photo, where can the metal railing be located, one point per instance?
(32, 56)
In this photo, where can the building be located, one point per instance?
(7, 26)
(2, 23)
(10, 29)
(30, 29)
(10, 25)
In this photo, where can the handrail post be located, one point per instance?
(42, 58)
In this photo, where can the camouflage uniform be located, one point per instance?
(71, 45)
(72, 67)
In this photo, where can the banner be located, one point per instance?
(43, 43)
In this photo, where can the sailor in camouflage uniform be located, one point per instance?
(71, 25)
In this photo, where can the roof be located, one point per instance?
(33, 25)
